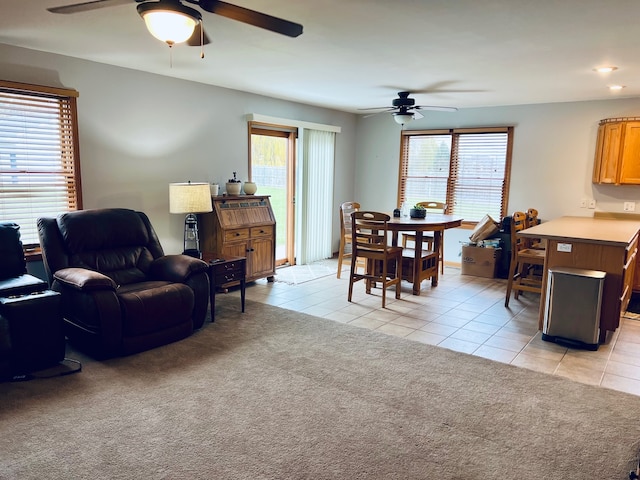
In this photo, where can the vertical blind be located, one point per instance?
(316, 195)
(467, 169)
(39, 165)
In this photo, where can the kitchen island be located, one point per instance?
(604, 244)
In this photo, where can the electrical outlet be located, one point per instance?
(583, 203)
(629, 206)
(592, 204)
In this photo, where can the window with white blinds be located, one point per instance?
(468, 169)
(39, 162)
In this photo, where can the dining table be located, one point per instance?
(433, 222)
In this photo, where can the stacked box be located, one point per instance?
(480, 261)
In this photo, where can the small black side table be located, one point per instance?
(35, 330)
(225, 271)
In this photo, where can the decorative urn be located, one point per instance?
(250, 188)
(233, 186)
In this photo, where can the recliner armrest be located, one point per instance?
(176, 268)
(84, 280)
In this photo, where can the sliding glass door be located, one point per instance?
(272, 163)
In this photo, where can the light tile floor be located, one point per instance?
(466, 314)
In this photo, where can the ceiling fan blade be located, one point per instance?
(384, 109)
(433, 107)
(417, 115)
(376, 113)
(86, 6)
(252, 17)
(194, 39)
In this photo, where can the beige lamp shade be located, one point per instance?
(189, 198)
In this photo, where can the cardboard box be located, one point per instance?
(480, 261)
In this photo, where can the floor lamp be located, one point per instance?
(190, 198)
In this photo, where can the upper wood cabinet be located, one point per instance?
(617, 159)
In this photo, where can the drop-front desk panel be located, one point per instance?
(594, 244)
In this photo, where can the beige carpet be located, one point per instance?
(274, 394)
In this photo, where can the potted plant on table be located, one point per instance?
(233, 185)
(418, 211)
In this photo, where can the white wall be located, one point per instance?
(553, 152)
(139, 132)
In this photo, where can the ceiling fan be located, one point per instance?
(188, 20)
(404, 109)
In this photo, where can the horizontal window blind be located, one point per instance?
(477, 175)
(426, 172)
(466, 169)
(39, 168)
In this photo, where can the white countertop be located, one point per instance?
(587, 229)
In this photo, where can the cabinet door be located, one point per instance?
(609, 153)
(636, 275)
(262, 257)
(235, 250)
(630, 166)
(628, 276)
(597, 162)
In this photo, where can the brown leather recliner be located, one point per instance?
(120, 293)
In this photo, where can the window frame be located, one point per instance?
(455, 134)
(69, 144)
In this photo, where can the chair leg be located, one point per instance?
(522, 268)
(340, 256)
(512, 272)
(398, 276)
(352, 271)
(384, 283)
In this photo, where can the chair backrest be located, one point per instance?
(346, 209)
(518, 223)
(369, 233)
(532, 218)
(12, 261)
(117, 242)
(438, 207)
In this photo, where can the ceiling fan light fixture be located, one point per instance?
(605, 69)
(402, 117)
(169, 21)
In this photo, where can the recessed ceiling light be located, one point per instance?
(615, 88)
(607, 69)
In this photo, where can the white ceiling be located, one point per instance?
(359, 53)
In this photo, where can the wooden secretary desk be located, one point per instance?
(242, 226)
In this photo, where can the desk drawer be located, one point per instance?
(264, 231)
(229, 272)
(227, 277)
(238, 234)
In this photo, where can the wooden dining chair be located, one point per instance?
(531, 221)
(523, 276)
(370, 241)
(427, 238)
(344, 251)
